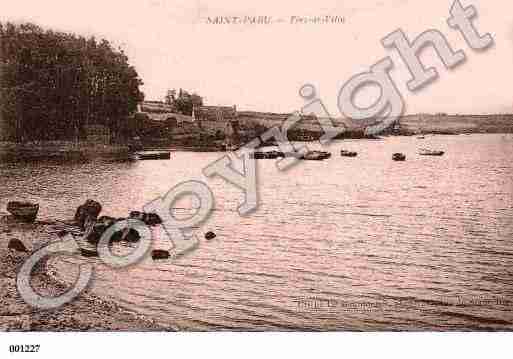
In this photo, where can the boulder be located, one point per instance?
(150, 219)
(87, 213)
(23, 211)
(210, 235)
(96, 233)
(17, 245)
(160, 254)
(136, 215)
(104, 223)
(127, 234)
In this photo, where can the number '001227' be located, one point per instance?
(24, 348)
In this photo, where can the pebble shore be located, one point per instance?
(86, 313)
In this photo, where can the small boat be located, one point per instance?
(421, 137)
(153, 155)
(24, 211)
(345, 153)
(425, 152)
(268, 155)
(399, 157)
(316, 155)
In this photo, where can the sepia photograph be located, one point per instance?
(267, 167)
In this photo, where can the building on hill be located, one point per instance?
(214, 113)
(215, 118)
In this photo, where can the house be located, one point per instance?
(216, 120)
(214, 113)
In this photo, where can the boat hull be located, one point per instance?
(437, 153)
(23, 211)
(348, 154)
(153, 155)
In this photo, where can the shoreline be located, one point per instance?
(88, 312)
(29, 153)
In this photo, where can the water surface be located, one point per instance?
(345, 244)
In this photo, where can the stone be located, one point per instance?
(136, 215)
(96, 233)
(127, 234)
(159, 254)
(17, 245)
(210, 235)
(25, 212)
(150, 219)
(87, 213)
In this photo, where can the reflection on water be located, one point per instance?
(349, 243)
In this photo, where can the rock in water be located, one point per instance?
(17, 245)
(160, 254)
(150, 219)
(87, 213)
(127, 235)
(96, 233)
(210, 235)
(153, 219)
(23, 211)
(137, 215)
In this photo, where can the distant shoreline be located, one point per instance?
(12, 152)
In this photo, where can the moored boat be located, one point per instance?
(153, 155)
(268, 155)
(345, 153)
(426, 152)
(316, 155)
(23, 211)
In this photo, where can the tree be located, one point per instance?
(54, 84)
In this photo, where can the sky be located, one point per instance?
(261, 67)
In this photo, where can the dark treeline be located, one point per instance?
(54, 84)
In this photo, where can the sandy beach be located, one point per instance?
(86, 313)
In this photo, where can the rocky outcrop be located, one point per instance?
(127, 235)
(87, 213)
(23, 211)
(210, 235)
(150, 219)
(17, 245)
(157, 254)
